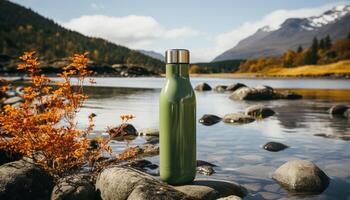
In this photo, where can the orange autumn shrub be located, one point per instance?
(44, 127)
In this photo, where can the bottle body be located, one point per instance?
(177, 127)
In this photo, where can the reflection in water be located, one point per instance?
(236, 149)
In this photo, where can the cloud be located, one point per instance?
(131, 31)
(274, 19)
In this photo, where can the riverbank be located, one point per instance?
(340, 69)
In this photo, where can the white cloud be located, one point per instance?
(132, 31)
(274, 19)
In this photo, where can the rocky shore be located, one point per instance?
(138, 177)
(8, 67)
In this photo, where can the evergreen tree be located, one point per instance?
(327, 42)
(300, 49)
(311, 57)
(322, 44)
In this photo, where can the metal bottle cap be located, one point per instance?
(177, 56)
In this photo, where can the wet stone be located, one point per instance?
(338, 110)
(301, 176)
(235, 86)
(209, 120)
(237, 118)
(203, 87)
(259, 111)
(274, 146)
(220, 88)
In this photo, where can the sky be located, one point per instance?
(206, 27)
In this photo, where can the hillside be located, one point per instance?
(294, 32)
(153, 54)
(21, 30)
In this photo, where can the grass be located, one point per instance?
(341, 69)
(338, 68)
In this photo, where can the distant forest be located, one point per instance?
(215, 67)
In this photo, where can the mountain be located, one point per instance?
(21, 29)
(153, 54)
(268, 41)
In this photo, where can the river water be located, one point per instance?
(304, 125)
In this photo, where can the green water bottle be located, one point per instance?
(177, 121)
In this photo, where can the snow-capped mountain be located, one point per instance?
(290, 34)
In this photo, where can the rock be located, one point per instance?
(231, 197)
(338, 110)
(123, 132)
(13, 100)
(203, 87)
(149, 132)
(301, 176)
(209, 120)
(237, 118)
(202, 163)
(220, 88)
(149, 149)
(347, 113)
(6, 157)
(24, 180)
(141, 164)
(152, 140)
(93, 144)
(274, 146)
(74, 187)
(259, 111)
(257, 93)
(120, 183)
(198, 191)
(291, 96)
(139, 151)
(212, 189)
(205, 169)
(235, 86)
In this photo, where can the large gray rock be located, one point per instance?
(301, 176)
(256, 93)
(203, 87)
(198, 191)
(259, 111)
(74, 187)
(24, 180)
(338, 110)
(237, 118)
(235, 86)
(231, 197)
(212, 189)
(120, 183)
(209, 120)
(274, 146)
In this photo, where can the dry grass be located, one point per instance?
(340, 68)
